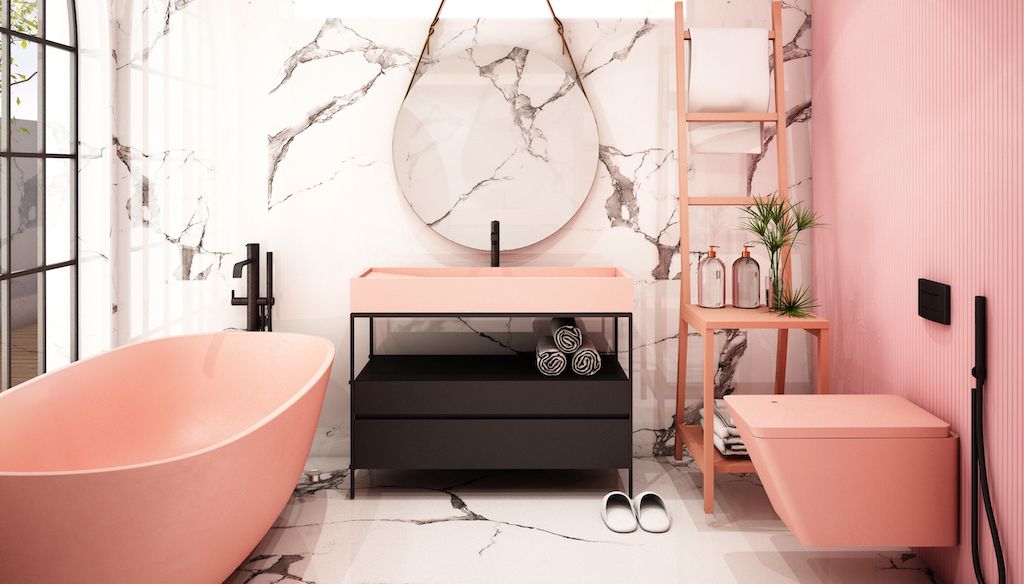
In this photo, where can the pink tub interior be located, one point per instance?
(153, 401)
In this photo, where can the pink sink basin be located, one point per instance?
(492, 290)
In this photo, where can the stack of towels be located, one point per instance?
(727, 437)
(567, 345)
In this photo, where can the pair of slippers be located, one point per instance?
(623, 515)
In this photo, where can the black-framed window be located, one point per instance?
(38, 188)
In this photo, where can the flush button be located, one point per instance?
(933, 301)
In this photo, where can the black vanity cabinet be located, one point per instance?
(490, 411)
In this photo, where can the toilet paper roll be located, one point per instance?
(728, 73)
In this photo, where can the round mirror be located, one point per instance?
(496, 133)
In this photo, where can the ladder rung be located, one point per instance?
(732, 117)
(686, 35)
(717, 201)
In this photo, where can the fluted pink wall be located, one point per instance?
(918, 156)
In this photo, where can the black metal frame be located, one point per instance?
(370, 316)
(8, 155)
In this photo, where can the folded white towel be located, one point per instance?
(722, 428)
(729, 449)
(723, 432)
(728, 73)
(722, 411)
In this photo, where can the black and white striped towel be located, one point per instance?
(568, 334)
(586, 361)
(550, 361)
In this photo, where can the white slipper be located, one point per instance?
(617, 512)
(651, 512)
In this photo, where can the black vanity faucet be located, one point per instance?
(495, 243)
(258, 310)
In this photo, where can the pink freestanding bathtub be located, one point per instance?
(164, 461)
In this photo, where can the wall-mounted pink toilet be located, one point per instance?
(854, 470)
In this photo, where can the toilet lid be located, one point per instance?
(834, 416)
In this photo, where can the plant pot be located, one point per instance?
(772, 289)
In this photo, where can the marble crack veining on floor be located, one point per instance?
(464, 514)
(532, 526)
(272, 566)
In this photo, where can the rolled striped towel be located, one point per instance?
(586, 361)
(568, 334)
(550, 361)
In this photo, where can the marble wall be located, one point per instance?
(239, 121)
(97, 310)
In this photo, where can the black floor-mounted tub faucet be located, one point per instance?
(258, 310)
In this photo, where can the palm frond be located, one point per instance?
(797, 303)
(805, 218)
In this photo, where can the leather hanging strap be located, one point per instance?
(558, 25)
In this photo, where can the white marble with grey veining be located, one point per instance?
(545, 527)
(238, 121)
(495, 133)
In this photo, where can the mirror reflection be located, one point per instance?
(496, 133)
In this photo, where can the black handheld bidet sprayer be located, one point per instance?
(979, 474)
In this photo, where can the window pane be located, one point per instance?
(4, 268)
(24, 328)
(59, 210)
(58, 21)
(3, 102)
(25, 16)
(4, 287)
(24, 220)
(25, 93)
(3, 22)
(59, 138)
(58, 318)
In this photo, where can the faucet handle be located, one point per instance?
(238, 300)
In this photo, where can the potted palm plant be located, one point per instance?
(776, 223)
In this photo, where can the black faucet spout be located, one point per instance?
(236, 272)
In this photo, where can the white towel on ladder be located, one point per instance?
(728, 73)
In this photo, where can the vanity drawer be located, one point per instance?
(491, 444)
(484, 386)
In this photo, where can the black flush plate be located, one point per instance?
(933, 301)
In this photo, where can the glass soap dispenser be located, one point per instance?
(746, 281)
(711, 281)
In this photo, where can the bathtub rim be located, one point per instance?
(321, 370)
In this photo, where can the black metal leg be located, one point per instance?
(630, 478)
(629, 366)
(351, 410)
(615, 338)
(372, 340)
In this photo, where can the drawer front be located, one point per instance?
(498, 398)
(491, 444)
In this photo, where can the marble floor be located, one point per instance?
(539, 527)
